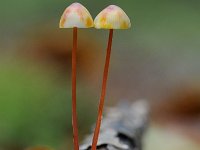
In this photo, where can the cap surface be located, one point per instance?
(76, 15)
(112, 17)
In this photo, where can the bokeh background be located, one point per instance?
(158, 59)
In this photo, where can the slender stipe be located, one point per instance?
(103, 92)
(75, 16)
(74, 112)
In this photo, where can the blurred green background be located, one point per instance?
(157, 59)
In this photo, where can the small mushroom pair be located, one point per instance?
(77, 16)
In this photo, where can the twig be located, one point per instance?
(122, 128)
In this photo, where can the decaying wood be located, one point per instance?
(122, 128)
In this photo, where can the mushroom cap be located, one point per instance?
(112, 17)
(76, 15)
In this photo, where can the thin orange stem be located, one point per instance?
(103, 92)
(74, 113)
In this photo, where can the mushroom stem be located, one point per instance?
(103, 92)
(74, 113)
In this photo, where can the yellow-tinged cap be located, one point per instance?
(76, 15)
(112, 17)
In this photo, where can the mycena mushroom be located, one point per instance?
(75, 16)
(112, 17)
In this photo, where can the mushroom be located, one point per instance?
(112, 17)
(75, 16)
